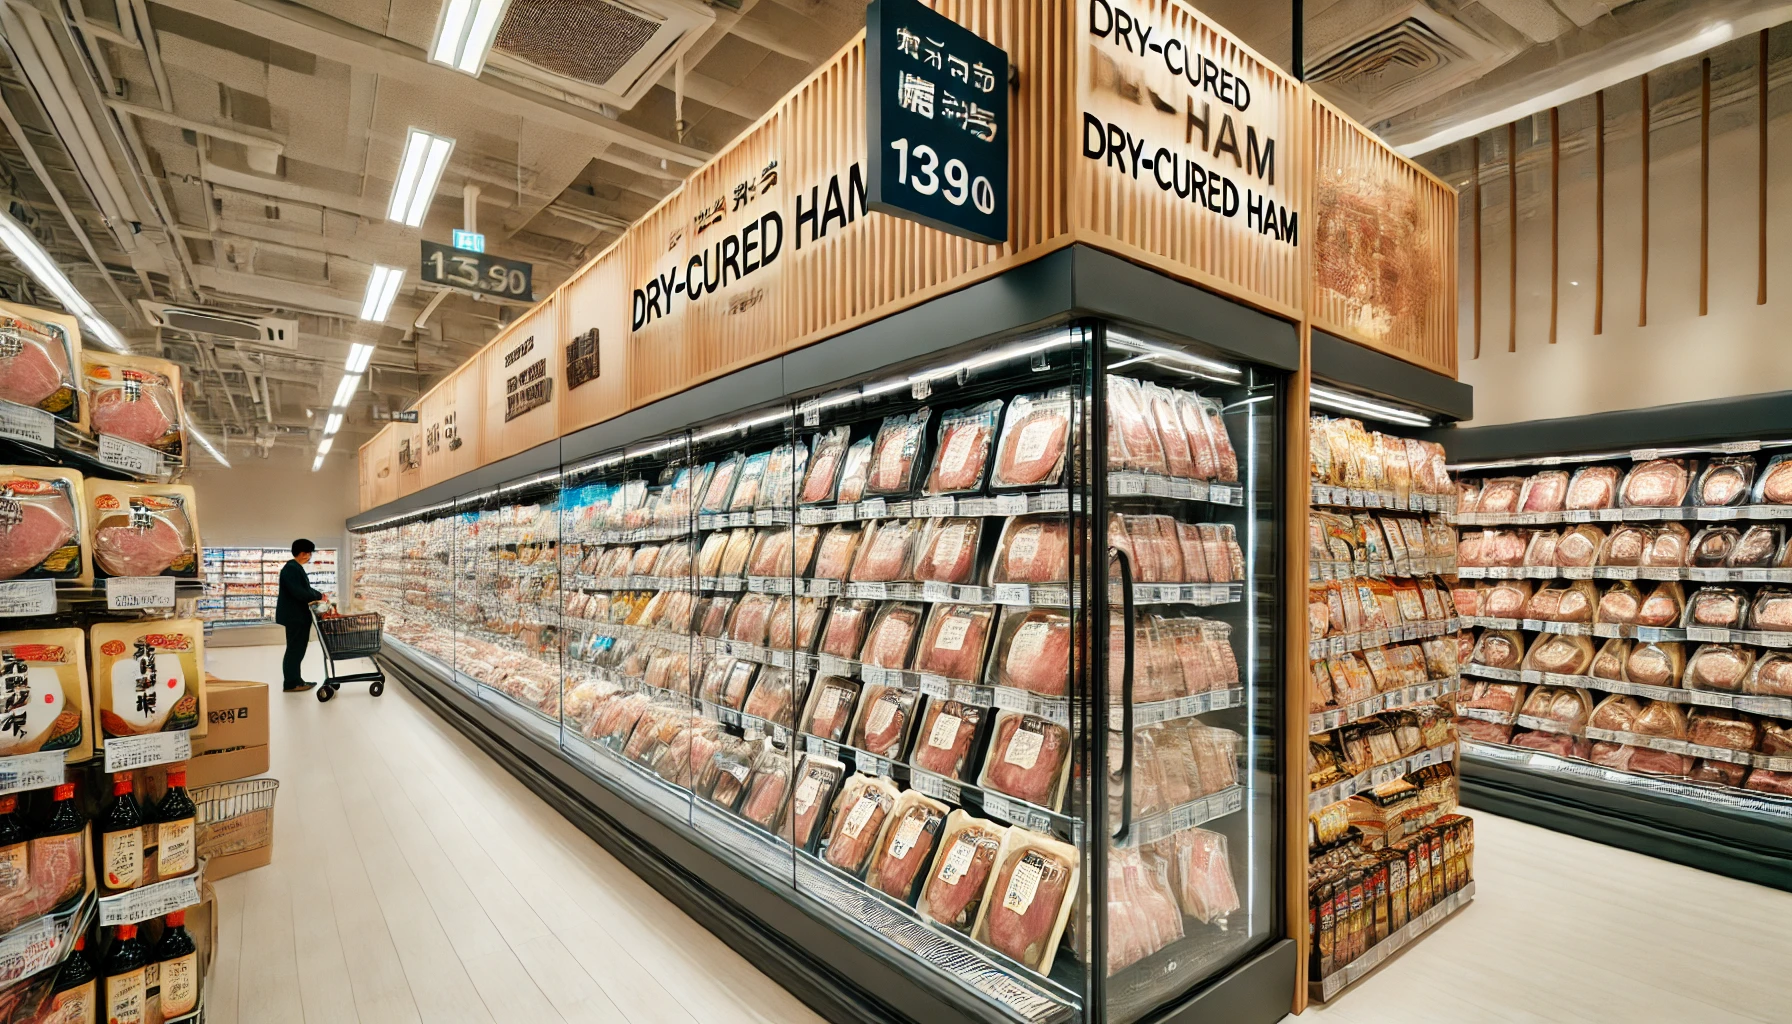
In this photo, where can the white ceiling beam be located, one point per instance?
(303, 28)
(248, 137)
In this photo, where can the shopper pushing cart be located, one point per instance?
(292, 611)
(344, 637)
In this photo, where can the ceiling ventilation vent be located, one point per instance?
(219, 324)
(1413, 54)
(605, 50)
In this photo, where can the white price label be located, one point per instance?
(28, 424)
(29, 949)
(28, 597)
(156, 900)
(129, 456)
(1011, 504)
(128, 753)
(32, 771)
(128, 593)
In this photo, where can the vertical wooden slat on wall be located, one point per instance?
(1474, 159)
(1642, 299)
(1512, 236)
(1705, 186)
(1555, 216)
(1599, 210)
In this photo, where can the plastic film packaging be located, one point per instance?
(143, 529)
(1561, 654)
(1669, 546)
(857, 822)
(1033, 549)
(829, 712)
(1027, 759)
(817, 780)
(834, 552)
(1725, 481)
(827, 457)
(884, 555)
(1030, 899)
(907, 846)
(1721, 667)
(955, 640)
(898, 460)
(961, 458)
(1133, 442)
(1656, 663)
(43, 524)
(1544, 491)
(963, 871)
(721, 484)
(1593, 487)
(1035, 436)
(849, 619)
(1757, 547)
(1032, 651)
(136, 398)
(949, 550)
(946, 741)
(892, 635)
(1579, 545)
(1716, 608)
(1663, 607)
(1774, 485)
(855, 470)
(1657, 483)
(1772, 610)
(881, 724)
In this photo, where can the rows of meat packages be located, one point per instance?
(1353, 749)
(56, 524)
(1668, 545)
(1343, 453)
(1357, 899)
(44, 368)
(1379, 544)
(1704, 482)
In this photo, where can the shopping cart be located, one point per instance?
(349, 636)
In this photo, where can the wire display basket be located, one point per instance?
(235, 817)
(351, 636)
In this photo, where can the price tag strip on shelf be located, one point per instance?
(154, 900)
(27, 597)
(22, 772)
(129, 456)
(133, 593)
(28, 424)
(129, 753)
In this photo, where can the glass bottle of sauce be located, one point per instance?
(124, 971)
(121, 838)
(176, 848)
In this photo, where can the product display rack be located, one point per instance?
(512, 609)
(1660, 728)
(242, 584)
(1388, 857)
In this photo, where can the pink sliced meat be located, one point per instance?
(832, 708)
(891, 637)
(1657, 483)
(955, 885)
(855, 832)
(1131, 434)
(28, 374)
(1032, 450)
(765, 797)
(963, 452)
(954, 642)
(949, 555)
(1037, 654)
(847, 623)
(884, 558)
(1035, 550)
(1025, 912)
(33, 529)
(1025, 757)
(887, 710)
(1179, 458)
(835, 557)
(135, 415)
(943, 744)
(125, 550)
(908, 843)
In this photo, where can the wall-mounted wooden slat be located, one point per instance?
(1761, 170)
(1512, 236)
(1642, 299)
(1555, 216)
(1705, 186)
(1599, 211)
(1474, 159)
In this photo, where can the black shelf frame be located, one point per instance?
(830, 973)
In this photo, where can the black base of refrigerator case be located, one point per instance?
(834, 976)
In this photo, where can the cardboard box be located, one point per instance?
(208, 768)
(236, 714)
(237, 863)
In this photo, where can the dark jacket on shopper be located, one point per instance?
(296, 595)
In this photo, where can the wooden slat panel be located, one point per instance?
(505, 438)
(407, 452)
(382, 472)
(595, 298)
(1384, 246)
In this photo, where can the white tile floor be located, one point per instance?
(414, 880)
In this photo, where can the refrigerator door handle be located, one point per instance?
(1127, 617)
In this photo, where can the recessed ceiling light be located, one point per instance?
(382, 288)
(419, 172)
(465, 32)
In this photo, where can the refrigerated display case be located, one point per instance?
(961, 674)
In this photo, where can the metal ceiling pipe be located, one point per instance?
(263, 141)
(423, 317)
(469, 207)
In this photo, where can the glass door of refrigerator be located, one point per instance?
(508, 623)
(1192, 668)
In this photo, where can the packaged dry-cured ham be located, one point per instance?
(1157, 550)
(1664, 605)
(834, 552)
(1496, 699)
(1503, 548)
(1142, 913)
(1032, 549)
(1566, 706)
(882, 722)
(1620, 603)
(1758, 546)
(784, 471)
(892, 635)
(1774, 486)
(1201, 869)
(884, 555)
(1213, 416)
(143, 529)
(1658, 663)
(1133, 442)
(832, 700)
(1593, 487)
(764, 801)
(1579, 546)
(146, 676)
(1716, 608)
(1499, 496)
(1032, 651)
(857, 821)
(855, 470)
(1719, 667)
(773, 697)
(46, 688)
(1771, 675)
(751, 620)
(713, 621)
(723, 781)
(1772, 610)
(1468, 495)
(817, 780)
(960, 876)
(721, 484)
(1561, 654)
(1179, 454)
(1544, 491)
(747, 487)
(1712, 546)
(1669, 547)
(961, 459)
(849, 619)
(735, 555)
(135, 398)
(1657, 483)
(907, 846)
(946, 740)
(809, 614)
(948, 551)
(1500, 648)
(1027, 759)
(1725, 481)
(827, 456)
(40, 360)
(1030, 900)
(898, 462)
(955, 640)
(1035, 433)
(43, 524)
(1609, 662)
(1763, 780)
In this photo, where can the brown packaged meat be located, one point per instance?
(1757, 546)
(764, 801)
(907, 845)
(1626, 545)
(1655, 664)
(817, 779)
(1029, 902)
(884, 556)
(892, 635)
(1719, 667)
(1561, 654)
(963, 451)
(1506, 599)
(881, 725)
(848, 621)
(960, 874)
(1580, 546)
(1669, 546)
(1593, 487)
(1026, 758)
(830, 710)
(1712, 547)
(1716, 608)
(948, 551)
(1657, 483)
(1033, 652)
(834, 558)
(1620, 603)
(1500, 648)
(1774, 486)
(1031, 452)
(1179, 458)
(1771, 675)
(1664, 605)
(1033, 549)
(1499, 496)
(751, 619)
(1722, 727)
(896, 459)
(1545, 491)
(1132, 437)
(1542, 549)
(1772, 610)
(954, 642)
(1156, 549)
(943, 744)
(858, 821)
(1609, 662)
(1725, 482)
(855, 470)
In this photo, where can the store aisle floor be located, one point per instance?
(415, 880)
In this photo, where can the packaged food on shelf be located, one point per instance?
(821, 480)
(1774, 486)
(818, 778)
(832, 701)
(881, 725)
(946, 741)
(46, 685)
(906, 849)
(45, 530)
(135, 398)
(961, 456)
(40, 362)
(1029, 902)
(1036, 549)
(1725, 481)
(960, 877)
(855, 470)
(898, 459)
(948, 551)
(884, 556)
(1027, 758)
(1035, 434)
(146, 676)
(954, 642)
(1032, 651)
(892, 635)
(857, 822)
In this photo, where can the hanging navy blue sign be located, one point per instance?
(936, 112)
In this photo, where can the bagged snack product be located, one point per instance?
(1545, 491)
(892, 635)
(45, 679)
(857, 822)
(1593, 487)
(954, 642)
(830, 709)
(896, 460)
(136, 398)
(907, 846)
(1034, 436)
(1774, 485)
(1030, 900)
(1027, 757)
(881, 725)
(42, 516)
(143, 529)
(948, 551)
(944, 743)
(960, 875)
(884, 556)
(855, 470)
(962, 455)
(1033, 549)
(817, 779)
(1032, 652)
(827, 455)
(1657, 483)
(1132, 436)
(1725, 481)
(146, 676)
(40, 353)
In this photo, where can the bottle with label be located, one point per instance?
(177, 968)
(121, 839)
(176, 849)
(72, 1000)
(15, 872)
(55, 851)
(124, 973)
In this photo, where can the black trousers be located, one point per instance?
(298, 637)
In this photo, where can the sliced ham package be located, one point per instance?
(784, 471)
(135, 398)
(1593, 487)
(827, 456)
(747, 489)
(1034, 440)
(835, 551)
(1143, 916)
(955, 640)
(40, 358)
(897, 460)
(885, 553)
(855, 470)
(947, 738)
(1774, 485)
(882, 723)
(147, 676)
(1027, 759)
(1725, 482)
(829, 713)
(817, 779)
(1133, 442)
(1032, 652)
(907, 846)
(948, 551)
(961, 459)
(44, 531)
(849, 619)
(1032, 549)
(961, 875)
(723, 781)
(1179, 453)
(738, 551)
(1657, 483)
(892, 635)
(721, 484)
(857, 822)
(764, 801)
(1029, 902)
(773, 698)
(46, 685)
(143, 529)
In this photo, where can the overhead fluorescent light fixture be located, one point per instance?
(317, 463)
(419, 173)
(382, 288)
(359, 356)
(465, 32)
(345, 390)
(333, 424)
(39, 265)
(206, 443)
(1346, 402)
(324, 448)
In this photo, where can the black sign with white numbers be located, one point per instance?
(936, 97)
(478, 272)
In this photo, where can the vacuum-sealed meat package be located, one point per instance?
(1027, 757)
(723, 779)
(960, 875)
(892, 635)
(1032, 652)
(835, 551)
(1035, 436)
(907, 846)
(1544, 491)
(849, 619)
(1669, 546)
(746, 489)
(1657, 483)
(947, 737)
(1593, 487)
(1716, 608)
(857, 822)
(1203, 446)
(1179, 457)
(38, 363)
(1032, 549)
(1202, 873)
(41, 515)
(1561, 654)
(897, 461)
(884, 555)
(1619, 604)
(1663, 607)
(784, 473)
(1719, 667)
(1626, 545)
(1499, 648)
(773, 698)
(809, 614)
(1757, 546)
(766, 792)
(1725, 481)
(143, 529)
(136, 398)
(1771, 675)
(1133, 442)
(1500, 495)
(1774, 485)
(1655, 664)
(962, 456)
(1712, 547)
(954, 642)
(948, 551)
(881, 724)
(855, 471)
(751, 620)
(1772, 610)
(830, 708)
(1030, 901)
(827, 455)
(1579, 546)
(1213, 417)
(735, 555)
(817, 779)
